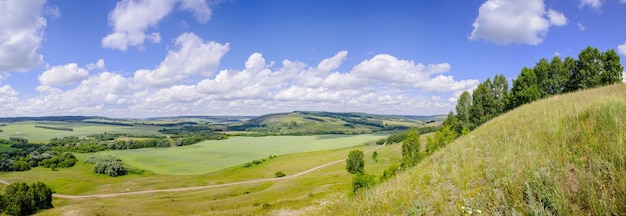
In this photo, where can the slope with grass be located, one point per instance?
(564, 155)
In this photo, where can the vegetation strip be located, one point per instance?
(110, 195)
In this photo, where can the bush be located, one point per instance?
(360, 181)
(280, 174)
(24, 199)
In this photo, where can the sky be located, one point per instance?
(151, 58)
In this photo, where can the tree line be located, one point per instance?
(492, 98)
(26, 156)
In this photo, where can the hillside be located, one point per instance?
(311, 122)
(564, 155)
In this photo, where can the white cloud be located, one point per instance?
(98, 65)
(21, 32)
(63, 75)
(622, 1)
(190, 57)
(595, 4)
(132, 18)
(332, 63)
(556, 18)
(581, 26)
(382, 84)
(622, 48)
(515, 21)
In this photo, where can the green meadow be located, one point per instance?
(28, 130)
(213, 155)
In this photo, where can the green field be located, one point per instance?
(213, 155)
(28, 130)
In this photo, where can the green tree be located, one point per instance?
(525, 88)
(500, 89)
(558, 75)
(375, 156)
(411, 148)
(572, 70)
(355, 163)
(483, 101)
(542, 71)
(453, 122)
(463, 110)
(612, 68)
(589, 67)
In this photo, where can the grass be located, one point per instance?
(214, 155)
(269, 198)
(560, 156)
(28, 130)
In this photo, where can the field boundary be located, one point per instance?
(110, 195)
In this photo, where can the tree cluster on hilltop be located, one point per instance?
(490, 99)
(25, 199)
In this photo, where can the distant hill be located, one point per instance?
(314, 122)
(564, 155)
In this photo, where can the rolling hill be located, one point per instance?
(313, 122)
(565, 155)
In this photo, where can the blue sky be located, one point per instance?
(145, 58)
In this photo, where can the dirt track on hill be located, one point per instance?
(109, 195)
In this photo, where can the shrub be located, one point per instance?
(280, 174)
(360, 181)
(355, 163)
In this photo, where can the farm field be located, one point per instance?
(275, 197)
(27, 130)
(213, 155)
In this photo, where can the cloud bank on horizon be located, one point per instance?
(182, 57)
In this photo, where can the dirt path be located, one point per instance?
(109, 195)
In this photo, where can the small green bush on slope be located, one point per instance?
(564, 155)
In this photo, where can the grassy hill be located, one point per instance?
(565, 155)
(311, 122)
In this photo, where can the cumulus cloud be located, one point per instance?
(622, 48)
(515, 21)
(190, 56)
(131, 19)
(63, 75)
(332, 63)
(21, 32)
(185, 84)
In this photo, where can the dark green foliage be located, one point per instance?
(442, 137)
(361, 181)
(279, 174)
(525, 88)
(24, 199)
(355, 163)
(375, 156)
(63, 160)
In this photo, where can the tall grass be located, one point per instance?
(564, 155)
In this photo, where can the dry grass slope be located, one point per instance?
(565, 155)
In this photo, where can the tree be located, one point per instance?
(588, 68)
(559, 76)
(525, 88)
(570, 65)
(542, 71)
(411, 148)
(500, 89)
(355, 163)
(463, 110)
(612, 68)
(24, 199)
